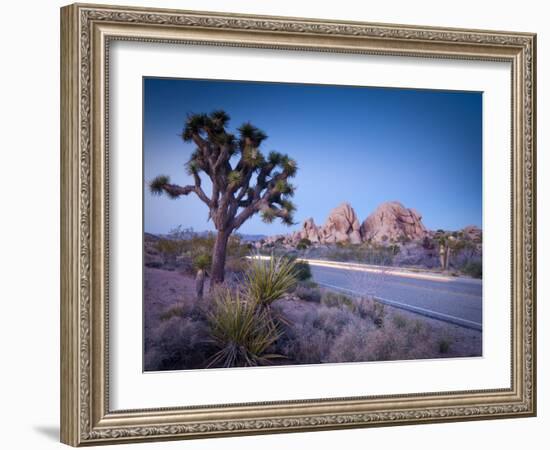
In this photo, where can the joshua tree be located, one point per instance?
(447, 243)
(244, 181)
(444, 251)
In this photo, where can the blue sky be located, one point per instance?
(359, 145)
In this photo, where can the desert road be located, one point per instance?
(450, 299)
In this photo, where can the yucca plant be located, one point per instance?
(268, 280)
(242, 333)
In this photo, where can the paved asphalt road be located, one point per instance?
(458, 301)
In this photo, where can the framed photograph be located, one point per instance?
(276, 224)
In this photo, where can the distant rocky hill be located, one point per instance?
(341, 225)
(390, 222)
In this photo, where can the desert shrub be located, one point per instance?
(305, 344)
(310, 336)
(337, 300)
(393, 341)
(236, 266)
(394, 249)
(333, 320)
(457, 245)
(371, 309)
(267, 281)
(319, 333)
(364, 253)
(444, 346)
(185, 308)
(375, 344)
(177, 343)
(427, 243)
(350, 346)
(170, 250)
(416, 327)
(170, 246)
(384, 346)
(337, 254)
(303, 244)
(187, 245)
(237, 248)
(241, 332)
(309, 294)
(200, 244)
(399, 321)
(153, 263)
(186, 266)
(151, 256)
(202, 261)
(309, 284)
(302, 271)
(474, 269)
(174, 311)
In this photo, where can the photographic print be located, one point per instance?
(289, 224)
(282, 204)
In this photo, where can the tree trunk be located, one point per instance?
(199, 284)
(218, 257)
(443, 255)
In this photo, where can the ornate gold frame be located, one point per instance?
(86, 31)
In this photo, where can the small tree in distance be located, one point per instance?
(244, 181)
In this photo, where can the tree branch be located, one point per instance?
(174, 191)
(198, 190)
(222, 157)
(162, 184)
(243, 216)
(256, 205)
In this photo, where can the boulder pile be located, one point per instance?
(390, 222)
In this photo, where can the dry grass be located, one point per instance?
(320, 327)
(365, 330)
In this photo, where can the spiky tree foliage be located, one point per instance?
(244, 181)
(268, 280)
(242, 333)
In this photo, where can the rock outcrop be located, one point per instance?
(473, 233)
(310, 231)
(342, 225)
(392, 222)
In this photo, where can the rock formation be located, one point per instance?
(472, 232)
(341, 226)
(389, 223)
(392, 221)
(310, 231)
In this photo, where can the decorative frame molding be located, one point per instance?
(86, 31)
